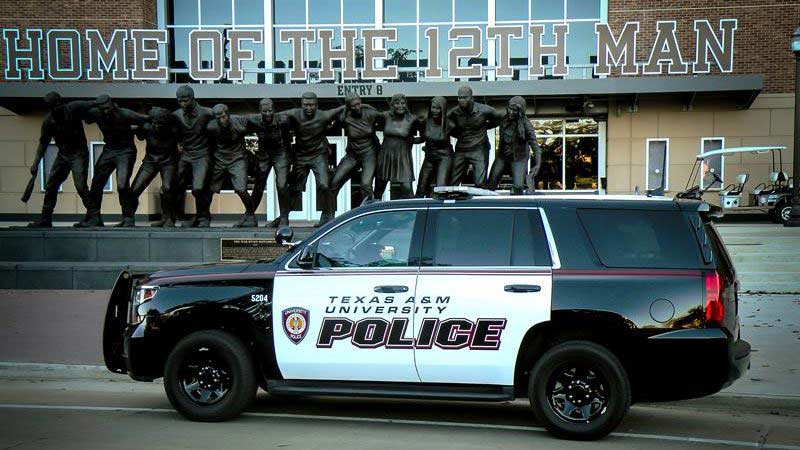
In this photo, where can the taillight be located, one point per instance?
(715, 309)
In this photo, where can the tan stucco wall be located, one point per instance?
(769, 121)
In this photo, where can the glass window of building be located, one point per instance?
(399, 11)
(583, 9)
(435, 10)
(287, 12)
(322, 12)
(359, 11)
(714, 165)
(216, 12)
(569, 154)
(511, 10)
(547, 9)
(184, 12)
(248, 12)
(471, 10)
(657, 162)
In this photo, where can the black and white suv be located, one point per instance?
(583, 304)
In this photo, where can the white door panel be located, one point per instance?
(484, 324)
(353, 333)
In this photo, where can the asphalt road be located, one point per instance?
(94, 414)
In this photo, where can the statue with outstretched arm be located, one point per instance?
(274, 142)
(119, 154)
(360, 121)
(161, 158)
(310, 125)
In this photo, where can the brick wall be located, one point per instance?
(105, 16)
(761, 42)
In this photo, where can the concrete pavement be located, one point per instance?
(112, 415)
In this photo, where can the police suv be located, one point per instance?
(582, 304)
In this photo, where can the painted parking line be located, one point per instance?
(654, 437)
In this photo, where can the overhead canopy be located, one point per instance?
(742, 89)
(731, 150)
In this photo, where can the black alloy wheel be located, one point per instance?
(577, 393)
(579, 390)
(210, 376)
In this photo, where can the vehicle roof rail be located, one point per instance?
(460, 192)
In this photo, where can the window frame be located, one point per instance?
(721, 163)
(647, 163)
(555, 261)
(414, 252)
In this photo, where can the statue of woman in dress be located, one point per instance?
(394, 160)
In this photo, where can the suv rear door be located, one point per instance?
(348, 317)
(485, 279)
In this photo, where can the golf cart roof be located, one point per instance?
(725, 151)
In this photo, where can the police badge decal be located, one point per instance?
(295, 324)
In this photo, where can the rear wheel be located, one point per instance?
(579, 390)
(210, 377)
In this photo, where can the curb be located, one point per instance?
(27, 371)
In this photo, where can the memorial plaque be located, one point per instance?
(249, 249)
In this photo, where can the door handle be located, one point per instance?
(522, 288)
(390, 289)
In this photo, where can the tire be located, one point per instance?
(210, 376)
(553, 369)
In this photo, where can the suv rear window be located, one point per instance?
(485, 237)
(638, 238)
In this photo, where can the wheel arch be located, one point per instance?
(607, 329)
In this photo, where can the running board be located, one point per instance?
(429, 391)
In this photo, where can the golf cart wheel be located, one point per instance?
(210, 376)
(783, 212)
(579, 390)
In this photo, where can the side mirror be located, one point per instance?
(306, 258)
(284, 235)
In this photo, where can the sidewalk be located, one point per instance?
(65, 327)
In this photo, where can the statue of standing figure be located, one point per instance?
(230, 158)
(360, 121)
(274, 141)
(438, 149)
(311, 148)
(471, 121)
(161, 157)
(394, 160)
(119, 154)
(63, 124)
(513, 156)
(195, 162)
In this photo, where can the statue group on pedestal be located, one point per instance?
(203, 147)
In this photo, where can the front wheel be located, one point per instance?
(210, 376)
(579, 390)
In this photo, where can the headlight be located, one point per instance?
(141, 295)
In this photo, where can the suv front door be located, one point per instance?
(349, 316)
(484, 281)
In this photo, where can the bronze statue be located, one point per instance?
(471, 120)
(310, 152)
(230, 158)
(360, 122)
(516, 136)
(161, 157)
(438, 149)
(394, 160)
(274, 140)
(63, 125)
(119, 153)
(195, 161)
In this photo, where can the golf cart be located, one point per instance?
(775, 198)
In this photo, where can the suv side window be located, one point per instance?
(484, 237)
(641, 238)
(381, 239)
